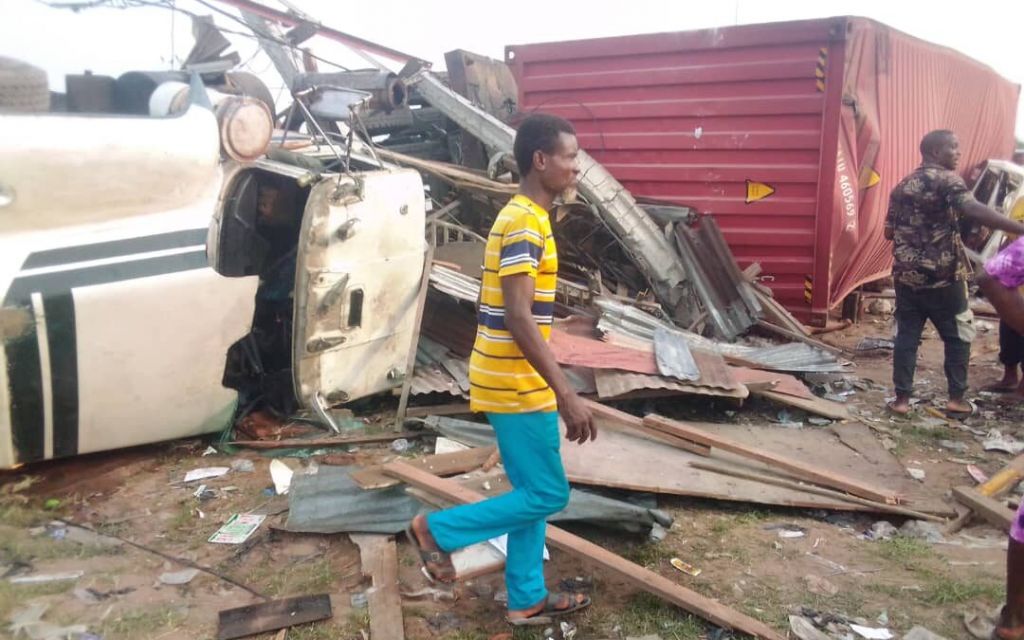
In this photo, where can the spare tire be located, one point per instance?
(23, 87)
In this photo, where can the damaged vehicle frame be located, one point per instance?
(151, 290)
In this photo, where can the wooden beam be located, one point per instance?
(636, 425)
(410, 361)
(640, 577)
(319, 443)
(991, 510)
(817, 406)
(800, 469)
(799, 337)
(379, 559)
(453, 409)
(997, 484)
(443, 464)
(798, 486)
(271, 616)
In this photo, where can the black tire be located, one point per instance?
(23, 87)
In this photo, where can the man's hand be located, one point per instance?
(579, 421)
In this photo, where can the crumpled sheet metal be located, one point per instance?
(331, 502)
(625, 324)
(435, 371)
(455, 284)
(613, 384)
(672, 353)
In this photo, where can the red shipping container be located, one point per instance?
(791, 134)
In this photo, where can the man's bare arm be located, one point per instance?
(518, 291)
(991, 218)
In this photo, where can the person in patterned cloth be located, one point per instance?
(516, 381)
(930, 267)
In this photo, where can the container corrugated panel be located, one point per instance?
(743, 123)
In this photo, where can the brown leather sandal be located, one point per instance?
(437, 564)
(555, 605)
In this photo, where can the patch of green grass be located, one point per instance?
(293, 579)
(21, 548)
(649, 554)
(951, 592)
(466, 635)
(314, 631)
(14, 596)
(722, 526)
(753, 516)
(765, 603)
(645, 613)
(906, 552)
(142, 623)
(16, 514)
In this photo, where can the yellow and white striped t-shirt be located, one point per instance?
(501, 379)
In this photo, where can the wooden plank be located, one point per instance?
(799, 469)
(817, 406)
(379, 558)
(410, 360)
(989, 509)
(790, 484)
(453, 409)
(320, 443)
(271, 616)
(799, 337)
(634, 574)
(635, 424)
(444, 464)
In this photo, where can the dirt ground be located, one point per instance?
(137, 496)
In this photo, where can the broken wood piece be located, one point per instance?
(271, 616)
(442, 464)
(1000, 482)
(379, 558)
(636, 425)
(320, 443)
(410, 362)
(799, 337)
(796, 468)
(989, 509)
(799, 486)
(640, 577)
(817, 406)
(453, 409)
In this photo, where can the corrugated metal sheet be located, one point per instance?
(612, 384)
(455, 284)
(703, 118)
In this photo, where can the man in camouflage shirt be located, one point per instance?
(930, 268)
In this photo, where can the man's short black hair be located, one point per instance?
(538, 132)
(933, 140)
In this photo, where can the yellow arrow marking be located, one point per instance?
(873, 179)
(758, 191)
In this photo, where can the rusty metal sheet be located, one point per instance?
(614, 384)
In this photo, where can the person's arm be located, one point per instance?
(990, 218)
(518, 291)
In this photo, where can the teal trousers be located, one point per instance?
(528, 443)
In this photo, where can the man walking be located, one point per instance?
(516, 381)
(930, 268)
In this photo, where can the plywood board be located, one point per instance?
(379, 559)
(618, 459)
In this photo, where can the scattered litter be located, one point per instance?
(872, 344)
(921, 530)
(959, 447)
(889, 444)
(238, 528)
(979, 625)
(93, 596)
(204, 473)
(202, 493)
(977, 474)
(501, 544)
(29, 621)
(920, 633)
(447, 445)
(916, 474)
(52, 504)
(501, 596)
(568, 629)
(42, 578)
(883, 619)
(243, 465)
(658, 533)
(803, 629)
(578, 584)
(787, 530)
(359, 600)
(281, 474)
(184, 576)
(820, 586)
(437, 595)
(209, 451)
(882, 530)
(400, 446)
(685, 567)
(819, 422)
(871, 633)
(996, 441)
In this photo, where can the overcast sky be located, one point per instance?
(111, 41)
